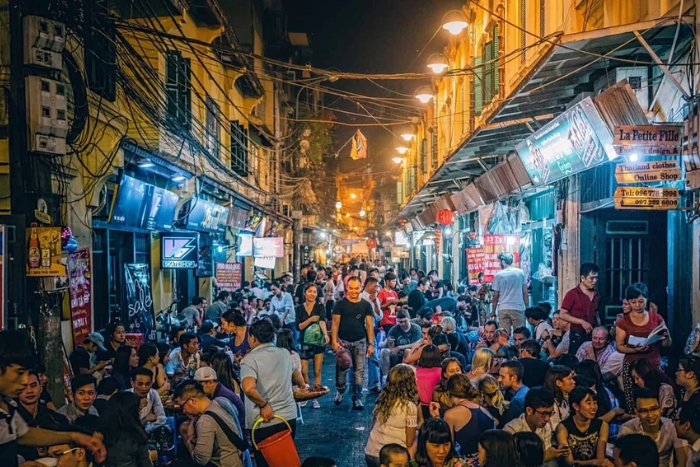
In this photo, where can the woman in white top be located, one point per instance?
(395, 414)
(560, 381)
(537, 318)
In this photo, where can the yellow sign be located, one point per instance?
(44, 252)
(641, 172)
(646, 198)
(648, 135)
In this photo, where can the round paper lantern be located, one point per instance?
(372, 243)
(445, 217)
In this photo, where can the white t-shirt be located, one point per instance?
(541, 328)
(509, 285)
(394, 430)
(666, 440)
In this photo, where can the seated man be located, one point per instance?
(636, 451)
(207, 377)
(71, 455)
(399, 339)
(535, 369)
(207, 337)
(510, 379)
(520, 335)
(152, 413)
(84, 393)
(184, 360)
(661, 430)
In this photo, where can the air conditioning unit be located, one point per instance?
(638, 77)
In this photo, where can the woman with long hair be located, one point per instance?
(285, 340)
(537, 318)
(395, 413)
(116, 337)
(608, 405)
(435, 447)
(496, 449)
(584, 433)
(529, 449)
(688, 377)
(234, 324)
(467, 419)
(560, 382)
(149, 358)
(428, 374)
(646, 375)
(124, 437)
(482, 361)
(631, 334)
(125, 360)
(163, 353)
(491, 397)
(227, 376)
(450, 366)
(310, 315)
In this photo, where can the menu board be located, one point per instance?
(229, 276)
(475, 264)
(495, 245)
(573, 142)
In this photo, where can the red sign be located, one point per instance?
(495, 245)
(80, 294)
(229, 276)
(475, 264)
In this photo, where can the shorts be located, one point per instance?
(308, 351)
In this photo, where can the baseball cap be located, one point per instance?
(97, 339)
(205, 374)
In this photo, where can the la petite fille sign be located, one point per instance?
(647, 135)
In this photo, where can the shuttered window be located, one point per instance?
(478, 83)
(178, 90)
(239, 149)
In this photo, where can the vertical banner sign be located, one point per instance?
(229, 276)
(475, 264)
(139, 300)
(80, 294)
(495, 245)
(3, 277)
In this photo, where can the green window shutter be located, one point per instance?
(399, 192)
(477, 82)
(487, 72)
(494, 55)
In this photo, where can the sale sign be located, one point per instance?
(475, 264)
(80, 292)
(229, 276)
(494, 245)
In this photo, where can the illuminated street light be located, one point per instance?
(353, 195)
(408, 134)
(424, 94)
(338, 205)
(397, 160)
(323, 235)
(363, 213)
(438, 63)
(402, 150)
(448, 231)
(455, 21)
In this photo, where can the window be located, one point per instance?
(477, 83)
(239, 149)
(424, 155)
(434, 148)
(211, 139)
(523, 31)
(399, 192)
(490, 68)
(178, 91)
(100, 52)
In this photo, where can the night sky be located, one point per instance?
(369, 36)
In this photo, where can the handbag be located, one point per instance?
(241, 444)
(313, 335)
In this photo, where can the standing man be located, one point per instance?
(370, 294)
(219, 307)
(282, 305)
(353, 330)
(191, 316)
(580, 307)
(388, 298)
(509, 294)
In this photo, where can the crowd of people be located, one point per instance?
(463, 376)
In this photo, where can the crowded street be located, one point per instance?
(323, 233)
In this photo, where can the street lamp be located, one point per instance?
(353, 196)
(402, 150)
(424, 94)
(438, 63)
(408, 134)
(338, 205)
(363, 213)
(454, 21)
(397, 160)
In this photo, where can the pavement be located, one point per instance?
(336, 432)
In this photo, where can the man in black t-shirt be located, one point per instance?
(352, 330)
(535, 369)
(416, 299)
(399, 339)
(81, 358)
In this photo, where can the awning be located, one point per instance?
(565, 70)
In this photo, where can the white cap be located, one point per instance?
(205, 374)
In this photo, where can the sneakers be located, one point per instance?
(316, 405)
(375, 390)
(338, 399)
(303, 404)
(357, 405)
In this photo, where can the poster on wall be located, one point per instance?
(495, 245)
(44, 252)
(3, 276)
(139, 300)
(80, 292)
(229, 276)
(205, 256)
(475, 264)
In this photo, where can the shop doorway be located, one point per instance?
(628, 247)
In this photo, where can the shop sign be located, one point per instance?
(692, 170)
(139, 300)
(571, 143)
(648, 135)
(80, 293)
(495, 245)
(229, 276)
(652, 171)
(44, 252)
(644, 198)
(178, 250)
(349, 241)
(475, 264)
(204, 216)
(3, 275)
(42, 212)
